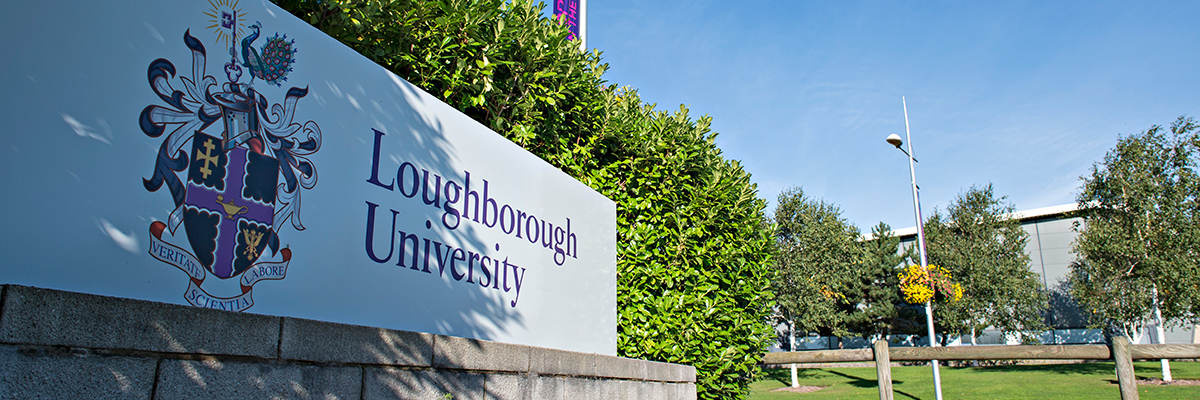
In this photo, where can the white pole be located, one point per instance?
(937, 377)
(583, 26)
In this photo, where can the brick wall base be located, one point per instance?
(57, 345)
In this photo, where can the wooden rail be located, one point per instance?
(1124, 353)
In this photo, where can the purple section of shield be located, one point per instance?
(227, 229)
(568, 10)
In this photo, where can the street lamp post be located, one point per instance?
(894, 140)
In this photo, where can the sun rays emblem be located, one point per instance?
(227, 21)
(235, 165)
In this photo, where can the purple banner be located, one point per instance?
(568, 12)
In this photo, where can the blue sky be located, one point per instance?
(1024, 95)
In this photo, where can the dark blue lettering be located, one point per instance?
(427, 256)
(537, 229)
(506, 264)
(520, 219)
(483, 267)
(559, 255)
(400, 179)
(512, 223)
(571, 250)
(548, 234)
(441, 260)
(495, 274)
(471, 266)
(406, 238)
(466, 206)
(371, 234)
(517, 277)
(448, 206)
(489, 202)
(437, 194)
(460, 255)
(375, 163)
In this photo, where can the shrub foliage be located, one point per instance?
(693, 247)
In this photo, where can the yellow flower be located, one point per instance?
(919, 285)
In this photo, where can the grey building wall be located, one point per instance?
(65, 345)
(1050, 256)
(1049, 247)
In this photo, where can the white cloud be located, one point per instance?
(126, 241)
(87, 131)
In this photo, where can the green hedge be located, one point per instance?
(693, 245)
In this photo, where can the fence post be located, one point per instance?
(1125, 377)
(883, 369)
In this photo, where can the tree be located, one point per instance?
(815, 256)
(693, 243)
(873, 305)
(983, 248)
(1141, 227)
(828, 279)
(816, 253)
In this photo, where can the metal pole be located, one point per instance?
(583, 25)
(937, 377)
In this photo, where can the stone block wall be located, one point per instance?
(58, 345)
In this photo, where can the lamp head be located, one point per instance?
(894, 139)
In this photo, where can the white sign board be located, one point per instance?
(227, 155)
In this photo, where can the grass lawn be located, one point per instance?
(1062, 381)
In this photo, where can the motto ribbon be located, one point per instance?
(186, 262)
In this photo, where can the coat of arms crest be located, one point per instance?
(244, 161)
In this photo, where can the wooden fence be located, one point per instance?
(1121, 351)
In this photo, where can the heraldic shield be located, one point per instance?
(230, 204)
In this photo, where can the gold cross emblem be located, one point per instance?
(208, 157)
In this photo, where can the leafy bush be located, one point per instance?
(693, 247)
